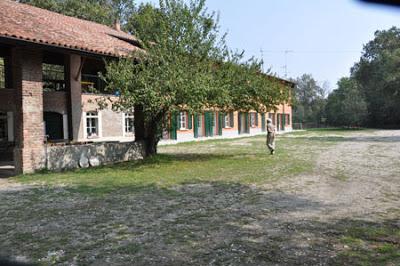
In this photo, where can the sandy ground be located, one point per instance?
(291, 221)
(359, 177)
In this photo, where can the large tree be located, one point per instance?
(378, 76)
(309, 100)
(106, 12)
(346, 105)
(184, 64)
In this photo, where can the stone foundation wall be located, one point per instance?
(91, 155)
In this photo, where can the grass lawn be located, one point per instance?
(244, 161)
(198, 203)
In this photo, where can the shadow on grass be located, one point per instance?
(216, 223)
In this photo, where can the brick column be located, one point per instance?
(74, 72)
(29, 153)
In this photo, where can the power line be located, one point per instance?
(312, 51)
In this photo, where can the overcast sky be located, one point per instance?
(322, 37)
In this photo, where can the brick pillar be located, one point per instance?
(74, 72)
(29, 153)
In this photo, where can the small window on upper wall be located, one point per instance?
(183, 120)
(2, 73)
(92, 124)
(129, 123)
(53, 77)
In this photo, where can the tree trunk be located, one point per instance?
(152, 134)
(139, 123)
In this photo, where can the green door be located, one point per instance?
(196, 125)
(221, 117)
(208, 124)
(239, 122)
(174, 125)
(263, 122)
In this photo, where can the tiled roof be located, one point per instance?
(28, 23)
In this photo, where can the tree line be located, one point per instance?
(369, 97)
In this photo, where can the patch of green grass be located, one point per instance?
(370, 245)
(351, 241)
(243, 160)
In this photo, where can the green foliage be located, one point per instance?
(184, 64)
(378, 76)
(346, 106)
(309, 101)
(100, 11)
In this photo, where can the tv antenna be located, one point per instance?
(285, 67)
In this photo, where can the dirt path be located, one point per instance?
(357, 178)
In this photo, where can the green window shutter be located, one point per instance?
(231, 121)
(212, 123)
(207, 123)
(220, 123)
(173, 126)
(283, 121)
(190, 121)
(246, 122)
(239, 122)
(195, 126)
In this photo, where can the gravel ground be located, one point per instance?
(299, 220)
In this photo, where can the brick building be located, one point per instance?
(49, 64)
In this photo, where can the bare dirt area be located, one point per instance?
(343, 211)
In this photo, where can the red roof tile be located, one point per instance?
(28, 23)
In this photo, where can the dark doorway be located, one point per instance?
(54, 125)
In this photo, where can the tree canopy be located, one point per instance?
(106, 12)
(378, 76)
(346, 105)
(185, 64)
(309, 100)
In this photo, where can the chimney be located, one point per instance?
(117, 25)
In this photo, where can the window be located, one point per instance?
(2, 73)
(288, 119)
(53, 77)
(92, 124)
(272, 117)
(129, 123)
(253, 119)
(3, 127)
(183, 120)
(229, 120)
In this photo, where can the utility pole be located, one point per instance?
(285, 67)
(262, 58)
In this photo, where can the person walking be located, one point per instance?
(270, 136)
